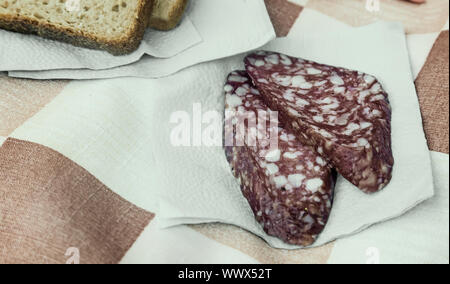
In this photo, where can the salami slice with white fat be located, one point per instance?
(345, 115)
(288, 186)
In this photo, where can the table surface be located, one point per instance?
(20, 99)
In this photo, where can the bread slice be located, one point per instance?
(166, 14)
(116, 26)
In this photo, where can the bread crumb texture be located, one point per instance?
(110, 19)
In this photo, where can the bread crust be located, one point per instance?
(126, 44)
(174, 18)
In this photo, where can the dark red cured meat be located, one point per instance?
(289, 187)
(345, 115)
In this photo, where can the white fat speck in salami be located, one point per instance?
(289, 96)
(363, 142)
(238, 79)
(234, 101)
(328, 108)
(305, 85)
(320, 83)
(336, 80)
(273, 156)
(283, 80)
(302, 102)
(297, 81)
(228, 88)
(241, 91)
(289, 155)
(280, 181)
(314, 185)
(351, 128)
(376, 113)
(344, 113)
(321, 161)
(259, 63)
(272, 169)
(318, 118)
(272, 179)
(285, 60)
(313, 71)
(325, 101)
(273, 58)
(376, 88)
(365, 125)
(308, 219)
(377, 98)
(294, 112)
(339, 90)
(369, 79)
(296, 180)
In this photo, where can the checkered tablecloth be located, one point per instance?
(54, 211)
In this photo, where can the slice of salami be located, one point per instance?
(345, 115)
(288, 186)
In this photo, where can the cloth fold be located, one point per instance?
(220, 37)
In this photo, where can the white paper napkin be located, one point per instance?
(207, 194)
(226, 27)
(119, 130)
(181, 245)
(420, 236)
(31, 53)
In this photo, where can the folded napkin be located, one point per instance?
(220, 37)
(32, 53)
(423, 232)
(120, 131)
(207, 194)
